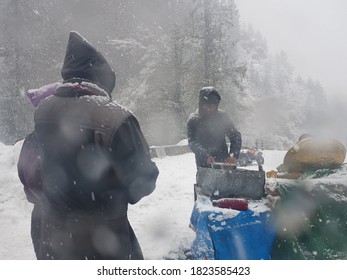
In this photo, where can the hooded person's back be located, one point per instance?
(93, 157)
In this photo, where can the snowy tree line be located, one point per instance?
(163, 52)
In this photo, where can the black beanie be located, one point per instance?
(209, 95)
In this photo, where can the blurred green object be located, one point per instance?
(311, 219)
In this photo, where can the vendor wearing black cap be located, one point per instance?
(208, 128)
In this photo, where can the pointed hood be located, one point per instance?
(83, 61)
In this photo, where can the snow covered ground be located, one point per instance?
(160, 221)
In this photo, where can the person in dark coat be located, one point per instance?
(207, 130)
(95, 161)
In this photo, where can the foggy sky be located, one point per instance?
(313, 33)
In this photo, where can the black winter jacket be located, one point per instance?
(207, 137)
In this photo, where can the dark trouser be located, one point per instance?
(195, 195)
(36, 224)
(135, 249)
(88, 237)
(195, 185)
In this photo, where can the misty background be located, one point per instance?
(163, 52)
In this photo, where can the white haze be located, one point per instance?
(311, 32)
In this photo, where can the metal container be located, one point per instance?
(222, 183)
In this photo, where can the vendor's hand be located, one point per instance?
(210, 160)
(231, 160)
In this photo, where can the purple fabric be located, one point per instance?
(29, 170)
(37, 95)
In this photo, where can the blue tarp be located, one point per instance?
(235, 235)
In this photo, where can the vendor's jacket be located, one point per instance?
(207, 137)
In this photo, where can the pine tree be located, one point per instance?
(15, 16)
